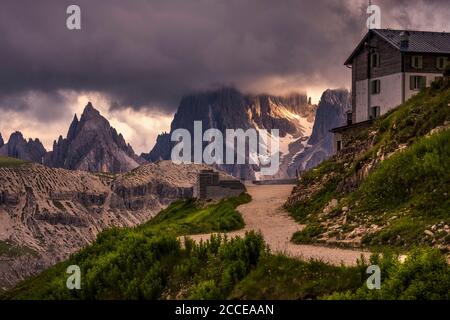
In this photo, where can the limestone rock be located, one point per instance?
(429, 233)
(92, 145)
(227, 108)
(18, 147)
(331, 113)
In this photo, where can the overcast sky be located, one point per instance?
(135, 59)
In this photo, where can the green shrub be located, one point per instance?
(413, 173)
(425, 275)
(281, 277)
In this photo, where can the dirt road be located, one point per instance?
(265, 214)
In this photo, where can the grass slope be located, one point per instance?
(7, 162)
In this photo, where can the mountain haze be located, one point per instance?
(227, 108)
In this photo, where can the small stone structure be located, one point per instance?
(209, 186)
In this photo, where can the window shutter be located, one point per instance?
(411, 82)
(441, 63)
(420, 62)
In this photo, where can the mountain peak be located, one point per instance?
(92, 145)
(15, 136)
(73, 128)
(89, 112)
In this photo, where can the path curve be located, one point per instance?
(266, 215)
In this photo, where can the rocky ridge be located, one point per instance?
(18, 147)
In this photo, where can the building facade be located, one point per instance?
(388, 68)
(210, 186)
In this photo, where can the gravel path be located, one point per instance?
(265, 214)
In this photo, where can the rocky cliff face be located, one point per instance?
(18, 147)
(50, 213)
(92, 145)
(331, 113)
(228, 108)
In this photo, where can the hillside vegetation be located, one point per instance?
(150, 262)
(8, 162)
(390, 187)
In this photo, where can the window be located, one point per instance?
(417, 62)
(441, 62)
(375, 87)
(418, 82)
(349, 118)
(339, 145)
(375, 60)
(374, 112)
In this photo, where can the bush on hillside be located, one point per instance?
(447, 71)
(425, 275)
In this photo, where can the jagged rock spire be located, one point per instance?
(93, 145)
(18, 147)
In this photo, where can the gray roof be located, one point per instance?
(419, 41)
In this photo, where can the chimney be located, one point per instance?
(404, 40)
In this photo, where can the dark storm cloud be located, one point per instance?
(149, 53)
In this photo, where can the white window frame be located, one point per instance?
(378, 87)
(417, 62)
(415, 84)
(444, 61)
(375, 60)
